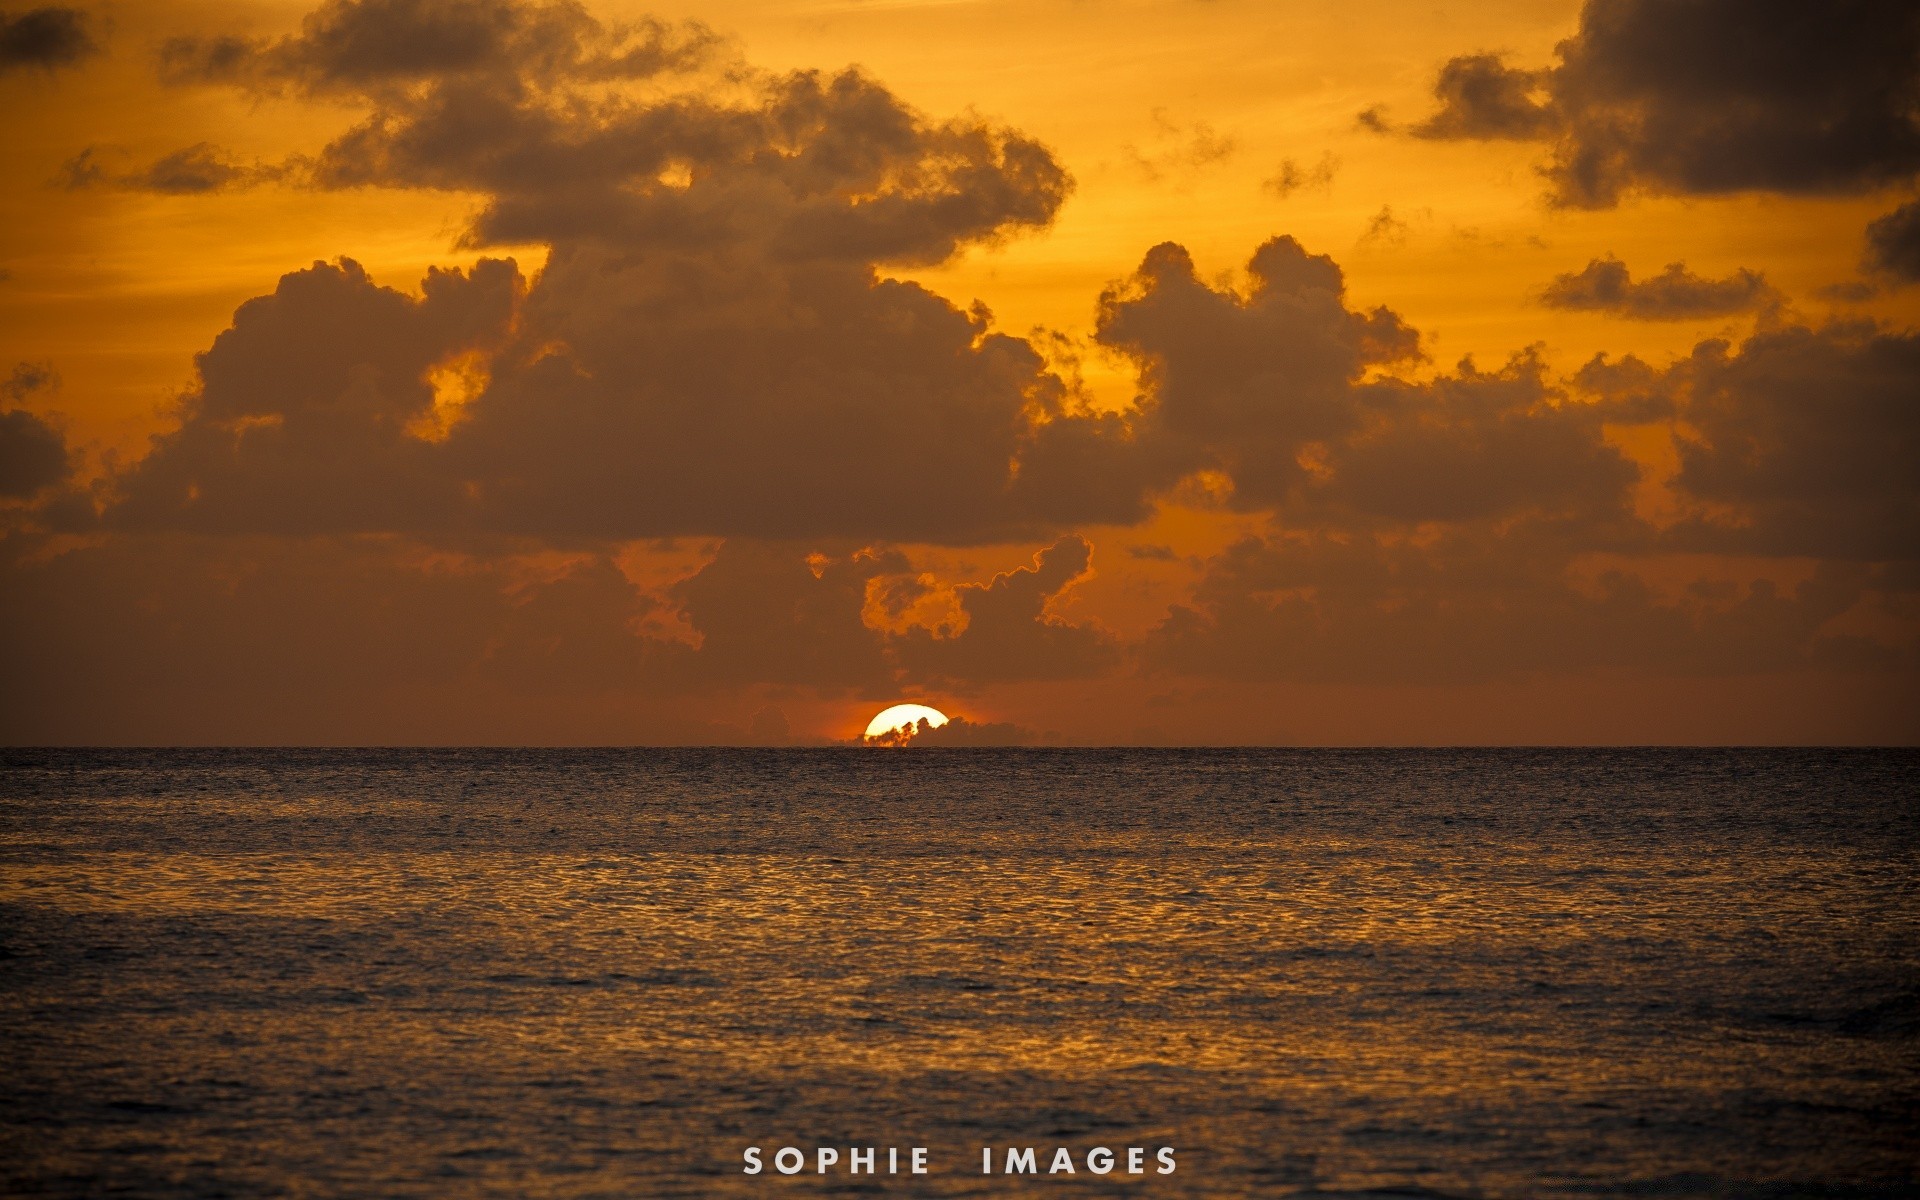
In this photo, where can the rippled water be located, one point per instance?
(468, 973)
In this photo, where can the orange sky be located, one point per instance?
(1280, 533)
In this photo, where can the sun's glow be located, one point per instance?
(902, 715)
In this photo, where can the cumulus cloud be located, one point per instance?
(1481, 97)
(1893, 244)
(405, 513)
(45, 37)
(1811, 435)
(1244, 383)
(712, 347)
(33, 454)
(1675, 294)
(1706, 97)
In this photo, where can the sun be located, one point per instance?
(904, 716)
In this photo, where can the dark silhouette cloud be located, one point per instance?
(383, 515)
(300, 420)
(1812, 435)
(1008, 634)
(1480, 605)
(1706, 97)
(27, 378)
(45, 37)
(193, 170)
(1893, 243)
(1292, 177)
(372, 45)
(33, 454)
(1476, 446)
(1483, 98)
(1675, 294)
(1244, 383)
(711, 348)
(959, 731)
(764, 613)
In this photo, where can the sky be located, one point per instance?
(1096, 371)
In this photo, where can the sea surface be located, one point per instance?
(463, 973)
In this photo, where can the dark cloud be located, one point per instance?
(765, 614)
(1707, 97)
(372, 45)
(1476, 446)
(1008, 634)
(1484, 605)
(711, 348)
(1244, 383)
(301, 419)
(505, 99)
(1483, 98)
(1893, 243)
(33, 455)
(193, 170)
(1675, 294)
(45, 37)
(959, 731)
(172, 638)
(1292, 177)
(1810, 435)
(27, 378)
(408, 512)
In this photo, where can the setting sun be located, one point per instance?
(903, 716)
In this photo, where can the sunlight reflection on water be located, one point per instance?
(606, 973)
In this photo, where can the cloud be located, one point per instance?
(1479, 605)
(1893, 243)
(1384, 229)
(1243, 383)
(1180, 149)
(712, 348)
(1810, 435)
(1483, 98)
(383, 512)
(764, 614)
(1477, 446)
(1675, 294)
(1706, 97)
(46, 38)
(959, 731)
(27, 378)
(375, 45)
(1006, 631)
(33, 455)
(194, 170)
(509, 100)
(1291, 177)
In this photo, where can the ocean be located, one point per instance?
(609, 973)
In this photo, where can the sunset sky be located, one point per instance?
(1097, 371)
